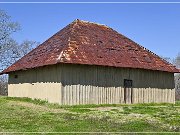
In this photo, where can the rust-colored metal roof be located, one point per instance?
(88, 43)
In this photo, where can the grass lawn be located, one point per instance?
(26, 115)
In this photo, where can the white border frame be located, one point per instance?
(88, 2)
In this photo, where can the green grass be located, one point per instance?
(79, 110)
(27, 115)
(178, 103)
(35, 101)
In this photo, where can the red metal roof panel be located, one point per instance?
(88, 43)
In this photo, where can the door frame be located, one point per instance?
(128, 91)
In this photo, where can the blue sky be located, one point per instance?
(154, 26)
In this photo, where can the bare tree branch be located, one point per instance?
(10, 50)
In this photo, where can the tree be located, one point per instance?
(7, 28)
(177, 77)
(175, 62)
(167, 59)
(10, 50)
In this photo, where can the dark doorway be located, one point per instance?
(128, 91)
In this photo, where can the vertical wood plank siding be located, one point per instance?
(104, 85)
(70, 84)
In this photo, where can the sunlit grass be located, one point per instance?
(25, 114)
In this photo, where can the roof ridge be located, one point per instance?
(88, 22)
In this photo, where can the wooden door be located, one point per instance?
(128, 91)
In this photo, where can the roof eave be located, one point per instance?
(6, 71)
(1, 73)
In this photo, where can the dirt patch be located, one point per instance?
(106, 108)
(36, 107)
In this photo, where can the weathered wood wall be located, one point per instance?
(82, 84)
(104, 85)
(41, 83)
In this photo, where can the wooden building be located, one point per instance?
(89, 63)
